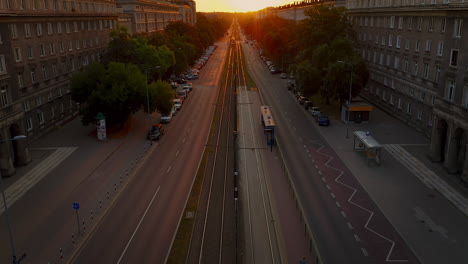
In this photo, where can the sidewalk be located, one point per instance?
(426, 205)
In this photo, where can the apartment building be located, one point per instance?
(417, 54)
(151, 16)
(42, 43)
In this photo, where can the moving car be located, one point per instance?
(323, 120)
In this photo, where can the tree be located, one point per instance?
(161, 95)
(116, 90)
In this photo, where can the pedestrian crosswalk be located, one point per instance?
(31, 178)
(428, 177)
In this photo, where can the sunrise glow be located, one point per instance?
(236, 5)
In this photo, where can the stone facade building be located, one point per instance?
(42, 43)
(417, 54)
(150, 16)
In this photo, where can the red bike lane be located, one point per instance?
(378, 238)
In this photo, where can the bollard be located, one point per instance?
(92, 216)
(120, 179)
(73, 239)
(100, 205)
(61, 255)
(107, 195)
(84, 226)
(115, 187)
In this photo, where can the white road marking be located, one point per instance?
(301, 139)
(138, 226)
(183, 140)
(343, 214)
(332, 195)
(320, 172)
(168, 169)
(316, 167)
(328, 187)
(350, 226)
(177, 153)
(364, 251)
(338, 204)
(357, 238)
(323, 179)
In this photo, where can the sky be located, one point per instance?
(237, 5)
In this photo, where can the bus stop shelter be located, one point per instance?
(364, 142)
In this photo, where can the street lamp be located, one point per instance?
(10, 232)
(150, 121)
(349, 99)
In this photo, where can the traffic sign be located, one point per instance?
(76, 206)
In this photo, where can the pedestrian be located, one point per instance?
(303, 261)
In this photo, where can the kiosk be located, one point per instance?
(364, 142)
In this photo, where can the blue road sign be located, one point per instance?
(76, 206)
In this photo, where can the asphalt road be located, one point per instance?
(141, 225)
(337, 227)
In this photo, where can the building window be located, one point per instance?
(410, 23)
(52, 112)
(396, 63)
(20, 80)
(26, 105)
(49, 96)
(62, 48)
(75, 25)
(431, 24)
(50, 31)
(457, 27)
(389, 60)
(2, 64)
(430, 121)
(440, 48)
(59, 91)
(384, 95)
(35, 4)
(422, 95)
(38, 100)
(33, 76)
(420, 22)
(420, 114)
(44, 73)
(428, 45)
(52, 48)
(383, 40)
(77, 44)
(433, 100)
(17, 54)
(426, 70)
(54, 70)
(400, 22)
(40, 116)
(59, 27)
(411, 91)
(29, 124)
(381, 60)
(409, 108)
(42, 49)
(451, 90)
(390, 40)
(13, 31)
(406, 65)
(465, 93)
(443, 22)
(392, 22)
(398, 41)
(4, 96)
(407, 44)
(399, 103)
(437, 76)
(67, 27)
(391, 99)
(454, 58)
(416, 46)
(27, 30)
(39, 29)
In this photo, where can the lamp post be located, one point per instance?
(150, 121)
(10, 232)
(349, 99)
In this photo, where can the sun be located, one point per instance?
(236, 5)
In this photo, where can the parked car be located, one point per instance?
(323, 120)
(308, 104)
(302, 99)
(189, 86)
(156, 132)
(166, 118)
(315, 111)
(177, 103)
(283, 75)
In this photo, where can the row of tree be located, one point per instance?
(323, 49)
(134, 67)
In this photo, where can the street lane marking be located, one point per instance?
(364, 251)
(343, 214)
(323, 179)
(316, 167)
(168, 169)
(177, 153)
(183, 140)
(350, 226)
(301, 139)
(138, 226)
(357, 238)
(332, 195)
(320, 172)
(338, 204)
(328, 187)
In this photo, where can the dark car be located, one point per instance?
(308, 104)
(323, 120)
(302, 99)
(155, 132)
